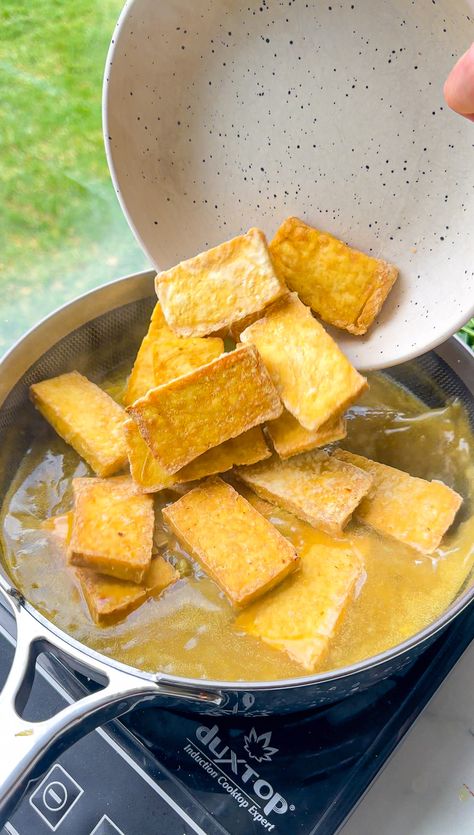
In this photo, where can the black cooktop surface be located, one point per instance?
(163, 773)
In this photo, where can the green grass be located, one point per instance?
(467, 333)
(61, 228)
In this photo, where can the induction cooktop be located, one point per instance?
(158, 772)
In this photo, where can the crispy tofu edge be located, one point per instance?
(387, 276)
(238, 602)
(86, 575)
(144, 356)
(130, 426)
(330, 432)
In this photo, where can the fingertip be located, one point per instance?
(458, 88)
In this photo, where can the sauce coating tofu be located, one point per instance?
(187, 416)
(60, 527)
(314, 379)
(110, 600)
(412, 510)
(112, 530)
(86, 418)
(209, 292)
(163, 356)
(290, 438)
(147, 474)
(313, 486)
(301, 616)
(342, 285)
(239, 549)
(150, 477)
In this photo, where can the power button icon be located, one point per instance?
(54, 798)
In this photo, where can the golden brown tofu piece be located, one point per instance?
(290, 438)
(147, 474)
(142, 376)
(242, 552)
(300, 616)
(314, 379)
(112, 531)
(313, 486)
(187, 416)
(110, 600)
(342, 285)
(86, 418)
(174, 355)
(247, 448)
(412, 510)
(209, 292)
(163, 356)
(150, 477)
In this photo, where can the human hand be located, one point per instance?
(459, 85)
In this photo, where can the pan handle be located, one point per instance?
(27, 748)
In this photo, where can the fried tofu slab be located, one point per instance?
(187, 416)
(109, 600)
(112, 531)
(414, 511)
(342, 285)
(239, 549)
(150, 477)
(86, 418)
(247, 448)
(163, 356)
(301, 616)
(290, 438)
(147, 474)
(314, 379)
(142, 376)
(209, 292)
(313, 486)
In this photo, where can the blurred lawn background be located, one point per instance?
(61, 228)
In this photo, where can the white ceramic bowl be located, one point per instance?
(222, 115)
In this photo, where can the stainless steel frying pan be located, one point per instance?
(115, 316)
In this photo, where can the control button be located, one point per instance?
(106, 827)
(55, 796)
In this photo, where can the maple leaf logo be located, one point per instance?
(258, 747)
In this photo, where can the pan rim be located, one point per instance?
(131, 288)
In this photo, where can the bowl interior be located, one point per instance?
(223, 115)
